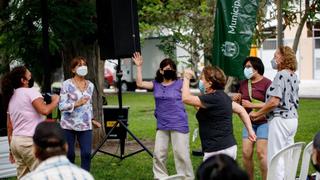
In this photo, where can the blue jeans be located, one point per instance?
(261, 131)
(85, 141)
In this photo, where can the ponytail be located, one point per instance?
(11, 81)
(159, 77)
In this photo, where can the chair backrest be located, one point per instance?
(306, 155)
(174, 177)
(6, 168)
(287, 157)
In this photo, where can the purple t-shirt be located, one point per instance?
(170, 112)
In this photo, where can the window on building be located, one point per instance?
(269, 45)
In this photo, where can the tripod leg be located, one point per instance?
(104, 140)
(135, 138)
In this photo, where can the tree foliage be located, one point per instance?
(186, 23)
(21, 30)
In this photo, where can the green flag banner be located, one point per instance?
(234, 25)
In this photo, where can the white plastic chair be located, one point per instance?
(290, 156)
(174, 177)
(306, 155)
(6, 168)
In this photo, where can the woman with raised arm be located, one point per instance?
(172, 119)
(215, 113)
(25, 110)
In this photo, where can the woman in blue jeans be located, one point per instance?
(251, 96)
(76, 111)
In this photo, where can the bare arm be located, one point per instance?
(138, 60)
(187, 97)
(242, 113)
(248, 104)
(9, 128)
(271, 104)
(43, 108)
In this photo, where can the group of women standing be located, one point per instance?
(271, 105)
(271, 123)
(26, 108)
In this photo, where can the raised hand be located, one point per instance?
(137, 59)
(188, 73)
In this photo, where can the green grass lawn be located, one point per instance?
(142, 123)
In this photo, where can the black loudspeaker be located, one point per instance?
(118, 28)
(111, 115)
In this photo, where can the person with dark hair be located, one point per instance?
(50, 148)
(315, 156)
(251, 96)
(281, 107)
(77, 111)
(220, 167)
(215, 113)
(172, 119)
(25, 108)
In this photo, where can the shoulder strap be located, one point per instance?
(250, 89)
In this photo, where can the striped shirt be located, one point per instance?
(58, 168)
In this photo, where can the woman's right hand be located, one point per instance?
(55, 98)
(237, 98)
(82, 101)
(137, 59)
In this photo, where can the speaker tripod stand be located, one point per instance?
(121, 122)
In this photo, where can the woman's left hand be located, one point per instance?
(188, 73)
(95, 123)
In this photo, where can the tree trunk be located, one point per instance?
(299, 31)
(279, 24)
(300, 27)
(95, 75)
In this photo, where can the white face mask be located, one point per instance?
(82, 70)
(248, 72)
(274, 64)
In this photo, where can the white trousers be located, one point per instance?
(281, 134)
(231, 151)
(181, 152)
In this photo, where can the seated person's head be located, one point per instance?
(316, 152)
(219, 167)
(49, 140)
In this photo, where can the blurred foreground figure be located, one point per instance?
(220, 166)
(50, 149)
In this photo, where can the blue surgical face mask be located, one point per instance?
(201, 87)
(274, 64)
(248, 72)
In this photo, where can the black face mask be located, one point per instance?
(31, 82)
(169, 74)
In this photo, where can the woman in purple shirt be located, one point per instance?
(172, 120)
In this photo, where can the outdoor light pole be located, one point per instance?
(45, 46)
